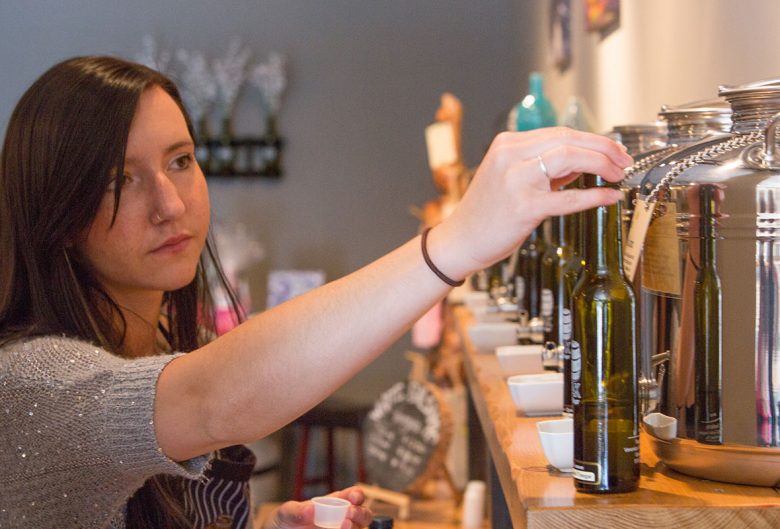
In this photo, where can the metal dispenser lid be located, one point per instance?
(752, 104)
(640, 137)
(695, 120)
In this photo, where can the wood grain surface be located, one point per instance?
(538, 496)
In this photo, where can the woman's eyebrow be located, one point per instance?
(178, 145)
(168, 150)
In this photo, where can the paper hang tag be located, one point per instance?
(632, 249)
(661, 261)
(440, 139)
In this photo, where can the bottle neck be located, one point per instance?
(552, 232)
(569, 232)
(535, 236)
(602, 244)
(536, 86)
(708, 195)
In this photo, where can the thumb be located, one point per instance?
(294, 513)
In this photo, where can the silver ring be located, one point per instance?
(543, 167)
(157, 218)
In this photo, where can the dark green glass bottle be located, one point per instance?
(559, 258)
(603, 359)
(707, 310)
(571, 269)
(495, 281)
(551, 277)
(529, 265)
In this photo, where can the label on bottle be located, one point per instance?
(519, 289)
(576, 372)
(565, 325)
(587, 472)
(709, 430)
(632, 249)
(633, 449)
(661, 263)
(548, 303)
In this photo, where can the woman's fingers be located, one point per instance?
(354, 495)
(357, 515)
(533, 143)
(569, 201)
(293, 514)
(564, 160)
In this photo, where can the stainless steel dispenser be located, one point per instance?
(719, 205)
(686, 124)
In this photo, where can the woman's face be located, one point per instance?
(163, 217)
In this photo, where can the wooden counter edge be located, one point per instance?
(609, 514)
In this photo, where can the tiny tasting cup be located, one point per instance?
(329, 511)
(557, 437)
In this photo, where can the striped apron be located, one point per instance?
(220, 500)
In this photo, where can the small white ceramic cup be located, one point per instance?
(661, 426)
(329, 511)
(520, 359)
(557, 437)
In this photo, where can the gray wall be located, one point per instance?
(365, 79)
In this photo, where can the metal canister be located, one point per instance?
(719, 205)
(686, 124)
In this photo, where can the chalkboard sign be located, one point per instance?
(406, 435)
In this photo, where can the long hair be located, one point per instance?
(65, 142)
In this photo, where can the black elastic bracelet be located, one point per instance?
(439, 273)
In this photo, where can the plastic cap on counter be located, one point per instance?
(381, 522)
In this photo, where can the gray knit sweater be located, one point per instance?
(76, 434)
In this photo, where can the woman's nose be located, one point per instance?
(168, 201)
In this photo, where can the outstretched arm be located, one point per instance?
(274, 367)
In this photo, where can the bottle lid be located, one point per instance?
(475, 486)
(381, 522)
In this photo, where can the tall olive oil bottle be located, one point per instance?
(707, 308)
(603, 360)
(572, 268)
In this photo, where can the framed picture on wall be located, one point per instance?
(560, 34)
(601, 14)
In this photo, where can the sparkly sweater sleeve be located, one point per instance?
(76, 433)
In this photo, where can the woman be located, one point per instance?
(103, 225)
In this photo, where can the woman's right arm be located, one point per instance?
(274, 367)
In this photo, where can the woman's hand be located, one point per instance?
(511, 194)
(300, 515)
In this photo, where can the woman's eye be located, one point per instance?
(121, 182)
(183, 161)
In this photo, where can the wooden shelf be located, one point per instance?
(537, 497)
(251, 157)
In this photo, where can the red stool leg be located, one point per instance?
(361, 467)
(331, 462)
(300, 469)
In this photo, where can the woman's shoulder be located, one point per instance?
(37, 349)
(59, 356)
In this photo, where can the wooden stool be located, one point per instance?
(330, 414)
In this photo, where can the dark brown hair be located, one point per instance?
(64, 144)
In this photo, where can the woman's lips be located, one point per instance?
(173, 245)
